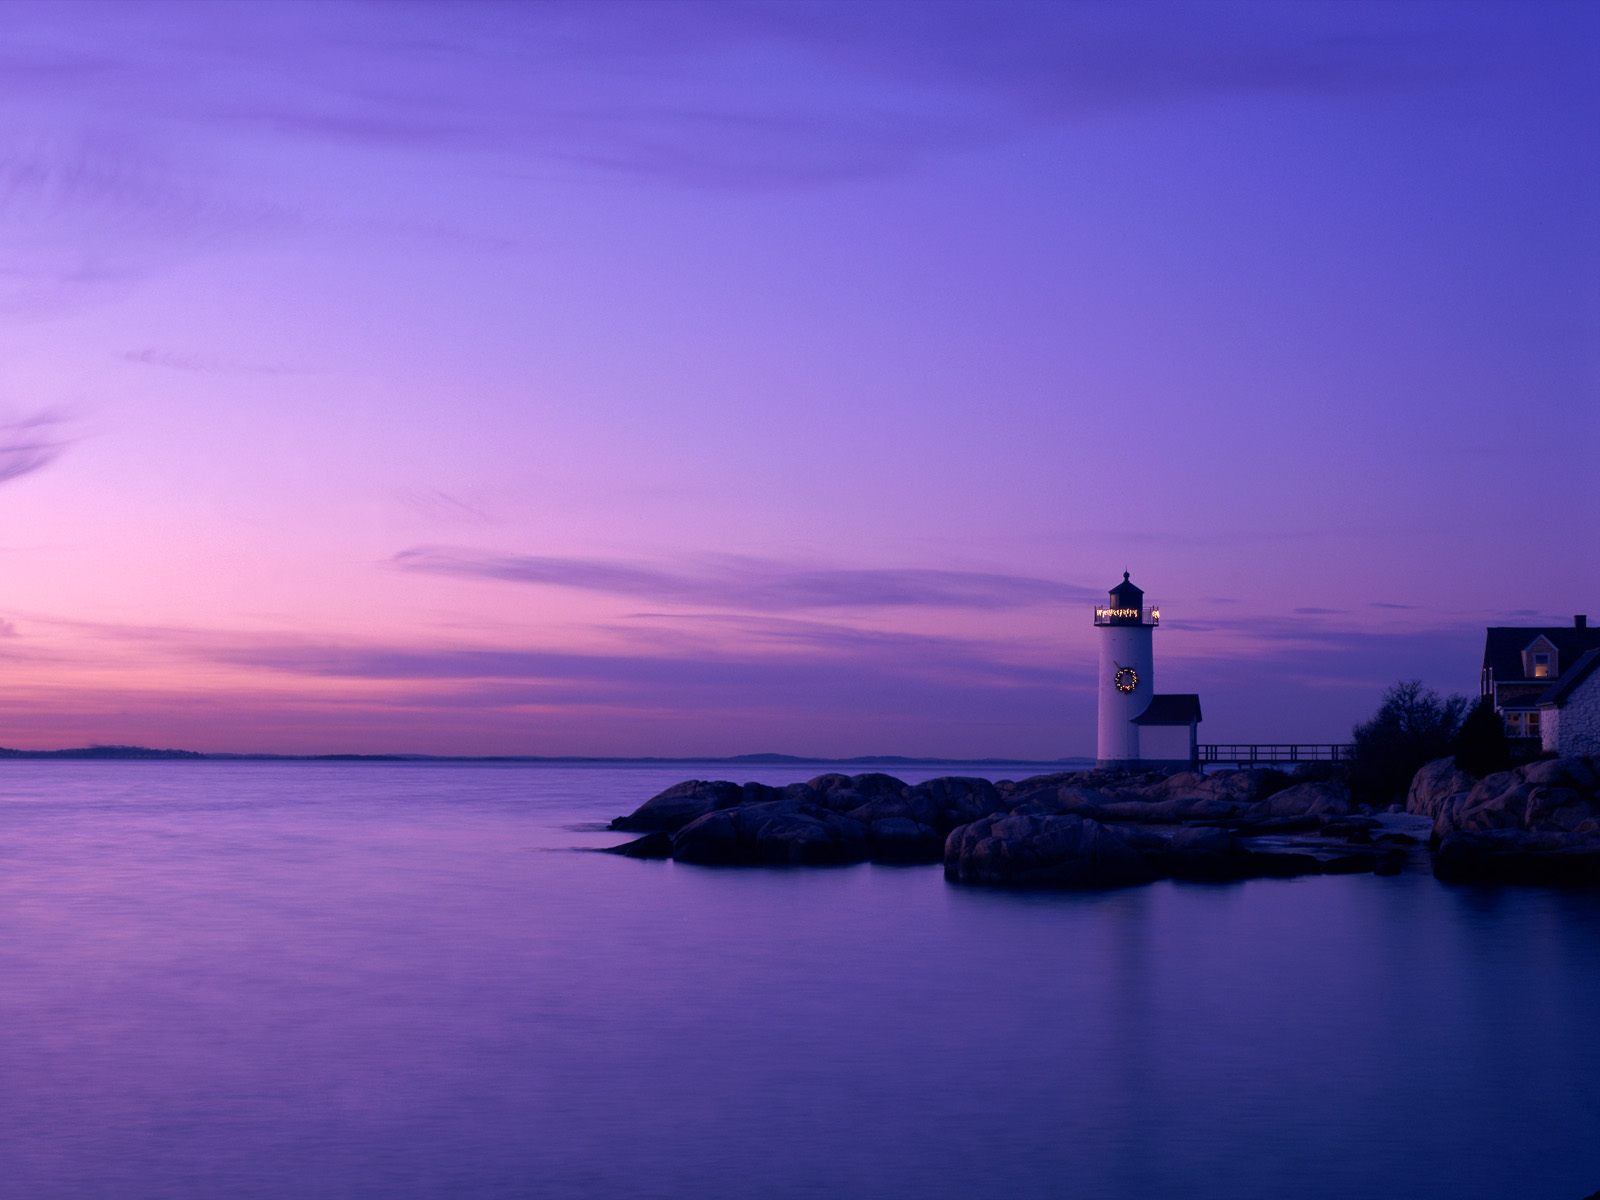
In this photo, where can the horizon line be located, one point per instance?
(146, 753)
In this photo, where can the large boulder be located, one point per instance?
(1063, 798)
(783, 832)
(954, 800)
(880, 817)
(1043, 790)
(844, 793)
(1066, 851)
(1437, 786)
(1326, 799)
(671, 810)
(1242, 787)
(1014, 792)
(1560, 795)
(680, 804)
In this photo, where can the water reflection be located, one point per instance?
(301, 980)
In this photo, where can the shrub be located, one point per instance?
(1480, 744)
(1414, 725)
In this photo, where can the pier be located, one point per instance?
(1246, 754)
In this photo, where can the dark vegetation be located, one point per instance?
(1414, 725)
(1481, 746)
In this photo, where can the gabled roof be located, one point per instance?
(1503, 646)
(1177, 708)
(1570, 680)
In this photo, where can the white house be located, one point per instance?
(1521, 664)
(1569, 713)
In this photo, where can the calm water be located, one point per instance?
(302, 980)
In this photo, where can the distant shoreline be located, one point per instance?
(146, 754)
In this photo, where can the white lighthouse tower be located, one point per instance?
(1127, 672)
(1137, 727)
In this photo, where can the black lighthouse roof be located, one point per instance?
(1126, 595)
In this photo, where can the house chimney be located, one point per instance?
(1581, 621)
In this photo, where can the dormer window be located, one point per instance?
(1540, 659)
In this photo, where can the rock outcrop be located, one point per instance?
(1553, 795)
(1322, 799)
(1536, 823)
(1072, 829)
(1092, 829)
(1256, 799)
(785, 832)
(832, 818)
(684, 802)
(1042, 850)
(1437, 786)
(1067, 851)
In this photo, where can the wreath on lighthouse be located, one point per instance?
(1126, 679)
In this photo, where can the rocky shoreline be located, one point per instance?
(1539, 823)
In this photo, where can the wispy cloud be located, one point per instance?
(98, 207)
(30, 444)
(642, 675)
(150, 356)
(752, 584)
(1280, 680)
(651, 88)
(436, 504)
(133, 144)
(656, 648)
(804, 676)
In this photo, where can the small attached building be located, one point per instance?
(1569, 713)
(1169, 731)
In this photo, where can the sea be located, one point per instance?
(304, 979)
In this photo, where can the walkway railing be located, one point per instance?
(1247, 753)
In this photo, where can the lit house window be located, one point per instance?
(1514, 724)
(1541, 666)
(1533, 724)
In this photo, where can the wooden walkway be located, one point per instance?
(1246, 754)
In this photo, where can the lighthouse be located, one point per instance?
(1137, 728)
(1127, 672)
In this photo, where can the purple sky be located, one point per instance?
(676, 378)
